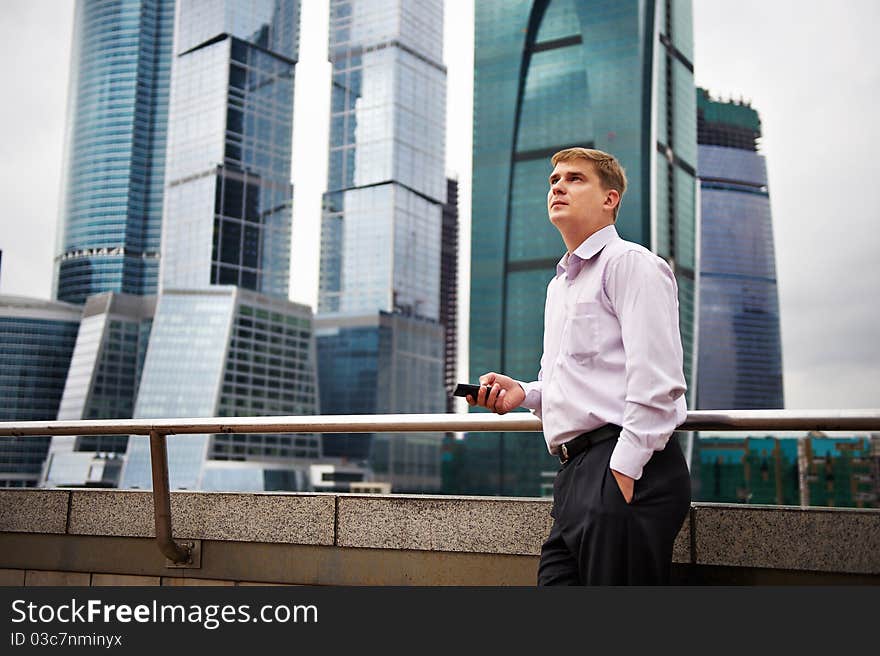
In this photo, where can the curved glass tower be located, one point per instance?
(740, 354)
(111, 204)
(550, 74)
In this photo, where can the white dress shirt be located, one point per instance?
(612, 350)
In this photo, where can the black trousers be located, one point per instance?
(599, 539)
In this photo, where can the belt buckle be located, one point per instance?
(564, 458)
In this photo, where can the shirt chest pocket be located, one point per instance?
(581, 340)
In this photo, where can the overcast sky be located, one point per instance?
(810, 68)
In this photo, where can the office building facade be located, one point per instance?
(551, 74)
(379, 286)
(102, 383)
(383, 363)
(36, 343)
(109, 225)
(740, 353)
(226, 351)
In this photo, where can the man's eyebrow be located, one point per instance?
(556, 176)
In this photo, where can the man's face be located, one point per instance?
(576, 200)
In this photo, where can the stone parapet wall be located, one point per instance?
(96, 537)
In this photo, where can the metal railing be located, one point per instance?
(158, 429)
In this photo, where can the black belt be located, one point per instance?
(582, 442)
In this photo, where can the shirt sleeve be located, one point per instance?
(534, 388)
(642, 290)
(533, 395)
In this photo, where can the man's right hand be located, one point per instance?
(502, 395)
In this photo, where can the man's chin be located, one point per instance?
(558, 215)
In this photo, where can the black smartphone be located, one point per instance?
(464, 389)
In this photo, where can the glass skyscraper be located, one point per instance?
(740, 353)
(550, 74)
(36, 343)
(379, 288)
(386, 182)
(108, 254)
(109, 224)
(225, 340)
(228, 194)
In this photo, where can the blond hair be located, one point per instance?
(610, 172)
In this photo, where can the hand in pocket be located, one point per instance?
(626, 485)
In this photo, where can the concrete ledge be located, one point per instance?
(681, 549)
(34, 511)
(283, 518)
(128, 561)
(119, 580)
(434, 523)
(11, 577)
(46, 578)
(354, 539)
(790, 538)
(82, 553)
(474, 524)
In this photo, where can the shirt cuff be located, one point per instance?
(628, 458)
(533, 395)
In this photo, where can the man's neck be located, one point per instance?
(574, 240)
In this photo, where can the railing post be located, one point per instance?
(177, 553)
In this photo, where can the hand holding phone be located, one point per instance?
(465, 389)
(508, 396)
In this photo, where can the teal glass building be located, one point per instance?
(109, 224)
(616, 75)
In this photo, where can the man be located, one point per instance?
(610, 390)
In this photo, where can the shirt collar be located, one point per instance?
(573, 262)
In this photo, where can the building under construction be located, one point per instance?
(813, 470)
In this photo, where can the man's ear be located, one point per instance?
(612, 199)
